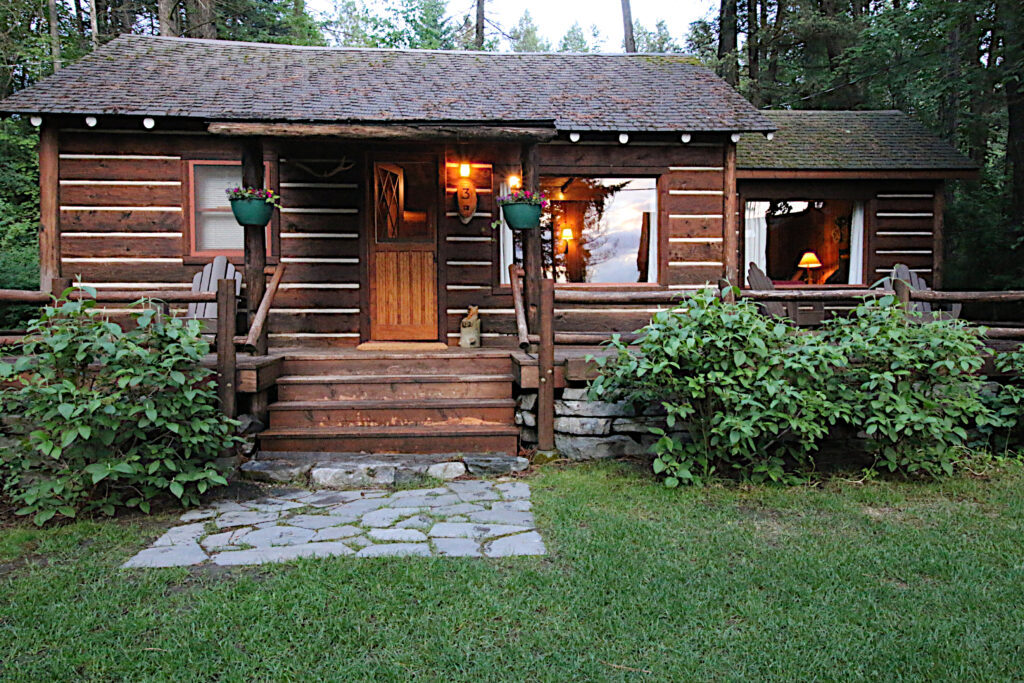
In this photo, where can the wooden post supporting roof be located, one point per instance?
(730, 219)
(533, 259)
(938, 242)
(49, 207)
(255, 242)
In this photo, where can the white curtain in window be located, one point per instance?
(505, 239)
(215, 226)
(857, 244)
(755, 234)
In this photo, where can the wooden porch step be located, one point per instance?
(389, 413)
(441, 438)
(392, 363)
(392, 387)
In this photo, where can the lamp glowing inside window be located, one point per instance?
(607, 227)
(464, 170)
(514, 182)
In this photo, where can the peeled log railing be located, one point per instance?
(546, 338)
(227, 309)
(902, 291)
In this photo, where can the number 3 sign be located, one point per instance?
(465, 199)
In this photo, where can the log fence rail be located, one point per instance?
(227, 308)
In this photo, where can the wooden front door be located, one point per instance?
(403, 251)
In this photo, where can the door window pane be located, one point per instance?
(405, 194)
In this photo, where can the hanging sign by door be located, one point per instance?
(465, 198)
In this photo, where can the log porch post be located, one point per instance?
(546, 368)
(730, 220)
(533, 259)
(226, 347)
(49, 207)
(255, 242)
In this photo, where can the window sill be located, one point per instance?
(237, 258)
(596, 286)
(819, 287)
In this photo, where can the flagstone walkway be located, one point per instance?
(461, 519)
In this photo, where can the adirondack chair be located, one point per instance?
(917, 283)
(206, 281)
(778, 309)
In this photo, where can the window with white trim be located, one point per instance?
(214, 229)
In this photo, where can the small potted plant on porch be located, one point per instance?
(522, 209)
(253, 205)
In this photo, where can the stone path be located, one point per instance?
(461, 519)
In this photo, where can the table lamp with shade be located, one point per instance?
(808, 261)
(567, 236)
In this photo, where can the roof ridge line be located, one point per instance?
(345, 48)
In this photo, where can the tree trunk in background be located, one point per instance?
(54, 36)
(201, 19)
(949, 100)
(79, 19)
(727, 42)
(1011, 17)
(772, 74)
(168, 17)
(478, 39)
(753, 53)
(94, 24)
(628, 41)
(980, 59)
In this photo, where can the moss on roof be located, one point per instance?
(848, 140)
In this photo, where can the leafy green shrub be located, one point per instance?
(910, 384)
(19, 217)
(1007, 404)
(751, 391)
(114, 417)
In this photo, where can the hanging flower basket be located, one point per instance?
(522, 209)
(253, 206)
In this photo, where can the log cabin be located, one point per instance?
(660, 177)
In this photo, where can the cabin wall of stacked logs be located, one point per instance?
(691, 219)
(123, 209)
(123, 224)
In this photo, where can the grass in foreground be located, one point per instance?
(880, 582)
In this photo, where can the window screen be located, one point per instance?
(214, 225)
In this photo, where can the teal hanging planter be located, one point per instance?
(252, 211)
(522, 216)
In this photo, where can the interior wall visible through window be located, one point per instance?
(601, 230)
(800, 242)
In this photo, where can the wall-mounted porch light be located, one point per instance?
(623, 138)
(735, 137)
(36, 120)
(91, 121)
(769, 136)
(686, 137)
(148, 123)
(514, 182)
(574, 137)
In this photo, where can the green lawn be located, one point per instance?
(882, 581)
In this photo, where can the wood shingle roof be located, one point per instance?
(231, 81)
(848, 141)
